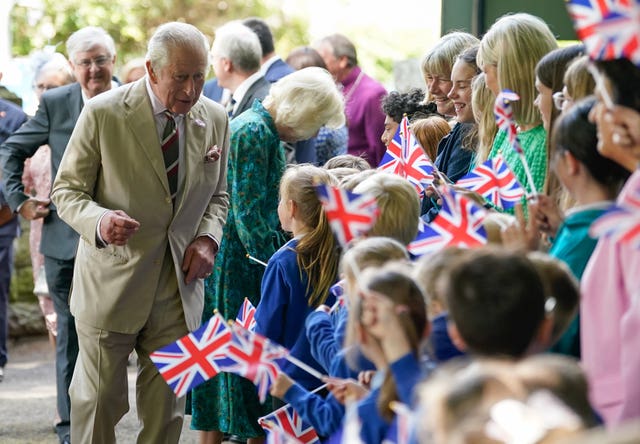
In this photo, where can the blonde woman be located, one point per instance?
(508, 55)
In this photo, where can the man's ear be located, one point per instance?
(455, 337)
(343, 62)
(152, 74)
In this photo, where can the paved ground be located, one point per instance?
(27, 398)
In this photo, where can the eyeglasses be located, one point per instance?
(98, 61)
(559, 99)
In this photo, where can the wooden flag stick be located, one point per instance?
(256, 260)
(307, 368)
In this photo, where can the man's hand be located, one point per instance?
(116, 227)
(33, 208)
(198, 259)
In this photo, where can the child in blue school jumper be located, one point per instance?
(399, 211)
(298, 276)
(326, 330)
(390, 323)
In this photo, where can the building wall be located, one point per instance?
(476, 16)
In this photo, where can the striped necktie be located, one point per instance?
(230, 105)
(170, 152)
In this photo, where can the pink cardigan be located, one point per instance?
(610, 326)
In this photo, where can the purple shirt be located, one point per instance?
(365, 119)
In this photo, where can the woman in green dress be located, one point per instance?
(296, 107)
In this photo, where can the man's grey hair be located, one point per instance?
(174, 36)
(86, 39)
(239, 44)
(342, 46)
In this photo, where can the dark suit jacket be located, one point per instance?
(278, 70)
(11, 118)
(212, 90)
(258, 90)
(53, 124)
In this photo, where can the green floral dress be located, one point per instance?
(229, 403)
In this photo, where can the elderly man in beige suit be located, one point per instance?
(143, 181)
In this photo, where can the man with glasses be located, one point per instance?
(92, 54)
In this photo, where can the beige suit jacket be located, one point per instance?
(114, 162)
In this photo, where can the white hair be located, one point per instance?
(306, 100)
(240, 45)
(171, 36)
(87, 38)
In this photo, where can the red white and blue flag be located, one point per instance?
(495, 181)
(427, 241)
(504, 117)
(194, 358)
(337, 291)
(286, 421)
(622, 222)
(404, 423)
(246, 315)
(609, 29)
(350, 214)
(406, 158)
(254, 357)
(458, 223)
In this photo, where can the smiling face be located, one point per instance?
(178, 85)
(93, 70)
(390, 128)
(439, 86)
(461, 76)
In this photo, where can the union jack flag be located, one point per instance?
(406, 158)
(427, 241)
(246, 315)
(194, 358)
(609, 29)
(254, 357)
(286, 421)
(349, 214)
(621, 222)
(458, 223)
(495, 182)
(337, 291)
(504, 117)
(404, 422)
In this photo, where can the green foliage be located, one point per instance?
(131, 23)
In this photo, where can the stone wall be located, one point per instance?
(25, 317)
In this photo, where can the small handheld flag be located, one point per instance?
(505, 121)
(246, 315)
(194, 358)
(406, 158)
(458, 223)
(254, 357)
(495, 182)
(621, 222)
(286, 420)
(350, 214)
(609, 29)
